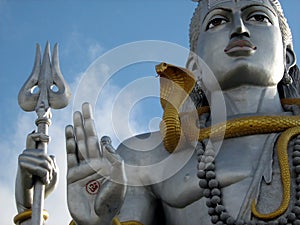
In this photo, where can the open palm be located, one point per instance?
(93, 198)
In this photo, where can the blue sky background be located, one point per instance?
(84, 30)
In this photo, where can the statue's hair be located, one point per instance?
(290, 91)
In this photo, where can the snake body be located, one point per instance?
(171, 129)
(282, 144)
(177, 80)
(249, 126)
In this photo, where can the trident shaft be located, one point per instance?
(44, 89)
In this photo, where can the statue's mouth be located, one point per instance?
(240, 45)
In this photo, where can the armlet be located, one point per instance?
(116, 221)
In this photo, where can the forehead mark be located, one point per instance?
(212, 3)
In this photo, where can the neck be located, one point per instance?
(251, 100)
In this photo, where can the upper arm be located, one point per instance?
(141, 203)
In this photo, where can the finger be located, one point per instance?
(33, 138)
(36, 154)
(41, 172)
(113, 158)
(105, 142)
(118, 173)
(110, 148)
(37, 159)
(53, 163)
(78, 126)
(89, 123)
(40, 137)
(94, 147)
(30, 143)
(90, 131)
(72, 158)
(32, 161)
(54, 167)
(53, 177)
(113, 194)
(80, 136)
(87, 110)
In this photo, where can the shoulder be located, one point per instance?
(143, 149)
(143, 157)
(147, 162)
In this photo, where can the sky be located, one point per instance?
(95, 38)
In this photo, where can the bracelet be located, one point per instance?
(116, 221)
(21, 217)
(72, 223)
(132, 222)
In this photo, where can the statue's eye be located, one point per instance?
(216, 22)
(259, 18)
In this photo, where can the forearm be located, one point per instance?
(24, 199)
(23, 196)
(139, 207)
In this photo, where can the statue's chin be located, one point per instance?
(246, 75)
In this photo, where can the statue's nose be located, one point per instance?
(238, 26)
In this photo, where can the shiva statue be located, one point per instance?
(252, 176)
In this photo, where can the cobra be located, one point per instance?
(171, 128)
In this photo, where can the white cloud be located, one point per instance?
(7, 202)
(89, 85)
(82, 48)
(94, 50)
(56, 203)
(105, 114)
(11, 146)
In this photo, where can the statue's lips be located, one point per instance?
(240, 46)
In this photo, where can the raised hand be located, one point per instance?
(96, 177)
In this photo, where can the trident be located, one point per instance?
(44, 89)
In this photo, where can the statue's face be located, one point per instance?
(241, 41)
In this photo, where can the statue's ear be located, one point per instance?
(290, 58)
(191, 63)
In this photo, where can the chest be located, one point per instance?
(236, 163)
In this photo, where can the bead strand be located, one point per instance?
(212, 191)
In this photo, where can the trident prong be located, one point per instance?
(43, 77)
(38, 94)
